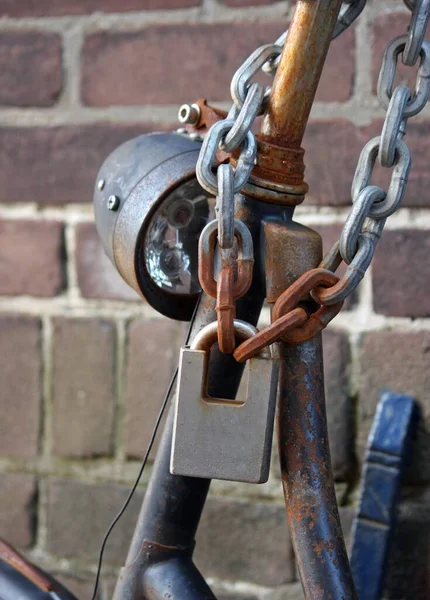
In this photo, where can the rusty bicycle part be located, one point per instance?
(290, 322)
(270, 334)
(298, 291)
(227, 288)
(225, 308)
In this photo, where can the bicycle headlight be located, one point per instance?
(149, 211)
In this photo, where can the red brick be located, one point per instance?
(41, 164)
(418, 140)
(30, 68)
(385, 28)
(402, 288)
(408, 565)
(123, 68)
(18, 507)
(41, 8)
(149, 368)
(330, 235)
(340, 60)
(97, 277)
(20, 394)
(89, 510)
(83, 387)
(340, 413)
(332, 151)
(237, 3)
(399, 362)
(31, 254)
(234, 536)
(81, 587)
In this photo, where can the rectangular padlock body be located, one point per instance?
(223, 439)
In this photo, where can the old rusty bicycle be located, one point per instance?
(211, 209)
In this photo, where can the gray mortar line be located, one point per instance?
(119, 416)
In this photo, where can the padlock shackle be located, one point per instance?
(208, 336)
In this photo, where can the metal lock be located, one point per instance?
(216, 438)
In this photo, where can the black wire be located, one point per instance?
(143, 465)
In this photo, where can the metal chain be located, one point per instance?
(371, 204)
(234, 134)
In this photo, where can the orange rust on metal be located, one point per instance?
(301, 288)
(206, 264)
(18, 562)
(307, 478)
(225, 309)
(299, 71)
(280, 156)
(315, 324)
(290, 249)
(270, 334)
(209, 115)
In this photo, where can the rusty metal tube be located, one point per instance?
(307, 476)
(299, 71)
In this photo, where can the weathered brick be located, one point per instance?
(233, 537)
(408, 566)
(401, 289)
(97, 277)
(18, 496)
(30, 68)
(41, 164)
(91, 509)
(332, 151)
(330, 235)
(339, 405)
(340, 59)
(385, 28)
(149, 368)
(122, 68)
(399, 362)
(31, 258)
(238, 3)
(83, 387)
(81, 587)
(20, 393)
(41, 8)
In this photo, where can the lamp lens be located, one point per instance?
(172, 238)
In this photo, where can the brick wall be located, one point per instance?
(76, 79)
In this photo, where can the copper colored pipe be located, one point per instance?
(299, 71)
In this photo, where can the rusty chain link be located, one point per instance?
(371, 204)
(234, 134)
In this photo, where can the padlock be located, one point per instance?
(217, 438)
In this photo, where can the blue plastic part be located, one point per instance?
(387, 449)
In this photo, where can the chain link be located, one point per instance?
(417, 31)
(371, 204)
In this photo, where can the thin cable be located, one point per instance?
(144, 461)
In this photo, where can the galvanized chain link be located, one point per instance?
(371, 204)
(234, 134)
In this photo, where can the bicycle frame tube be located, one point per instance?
(159, 562)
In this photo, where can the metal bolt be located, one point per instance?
(101, 185)
(189, 114)
(113, 203)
